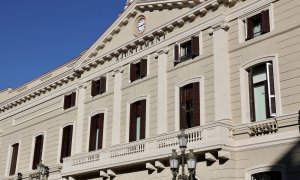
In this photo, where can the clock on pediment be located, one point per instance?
(139, 25)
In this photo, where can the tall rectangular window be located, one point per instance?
(14, 159)
(137, 121)
(96, 132)
(189, 106)
(261, 91)
(38, 150)
(69, 100)
(66, 144)
(98, 86)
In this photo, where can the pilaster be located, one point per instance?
(221, 72)
(116, 126)
(80, 117)
(162, 90)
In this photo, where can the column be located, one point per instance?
(221, 73)
(80, 118)
(116, 124)
(162, 92)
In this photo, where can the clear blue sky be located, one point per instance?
(38, 35)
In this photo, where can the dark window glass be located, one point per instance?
(66, 145)
(69, 100)
(137, 121)
(257, 25)
(96, 132)
(38, 150)
(14, 159)
(270, 175)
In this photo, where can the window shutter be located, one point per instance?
(100, 135)
(143, 119)
(66, 102)
(102, 84)
(14, 159)
(38, 150)
(143, 68)
(94, 88)
(250, 26)
(271, 90)
(92, 145)
(132, 72)
(177, 53)
(66, 146)
(132, 128)
(73, 99)
(70, 134)
(251, 97)
(183, 124)
(265, 18)
(195, 46)
(196, 104)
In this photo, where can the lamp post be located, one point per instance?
(42, 171)
(190, 159)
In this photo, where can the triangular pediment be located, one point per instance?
(161, 17)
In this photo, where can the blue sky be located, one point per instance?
(38, 35)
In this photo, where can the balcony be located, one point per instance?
(205, 138)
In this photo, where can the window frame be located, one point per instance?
(69, 94)
(199, 79)
(98, 111)
(9, 158)
(244, 85)
(98, 79)
(242, 25)
(265, 168)
(139, 61)
(147, 124)
(60, 140)
(33, 148)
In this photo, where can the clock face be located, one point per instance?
(140, 25)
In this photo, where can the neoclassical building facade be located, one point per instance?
(226, 71)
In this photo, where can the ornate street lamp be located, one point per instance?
(42, 171)
(190, 159)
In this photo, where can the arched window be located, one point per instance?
(96, 132)
(66, 144)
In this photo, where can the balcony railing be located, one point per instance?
(200, 139)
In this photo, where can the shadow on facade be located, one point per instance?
(290, 160)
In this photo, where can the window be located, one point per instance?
(261, 92)
(189, 106)
(69, 100)
(38, 150)
(66, 144)
(257, 25)
(137, 121)
(186, 50)
(270, 175)
(14, 159)
(96, 132)
(98, 86)
(138, 70)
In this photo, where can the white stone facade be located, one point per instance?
(228, 143)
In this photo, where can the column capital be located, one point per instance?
(118, 70)
(164, 50)
(82, 85)
(224, 25)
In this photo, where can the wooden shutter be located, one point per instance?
(73, 99)
(177, 53)
(143, 68)
(250, 26)
(196, 104)
(195, 46)
(271, 90)
(251, 96)
(66, 102)
(132, 128)
(94, 90)
(14, 159)
(183, 124)
(66, 146)
(38, 150)
(92, 145)
(143, 119)
(102, 84)
(100, 126)
(132, 72)
(265, 21)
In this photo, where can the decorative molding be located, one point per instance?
(224, 155)
(262, 128)
(150, 167)
(159, 165)
(210, 157)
